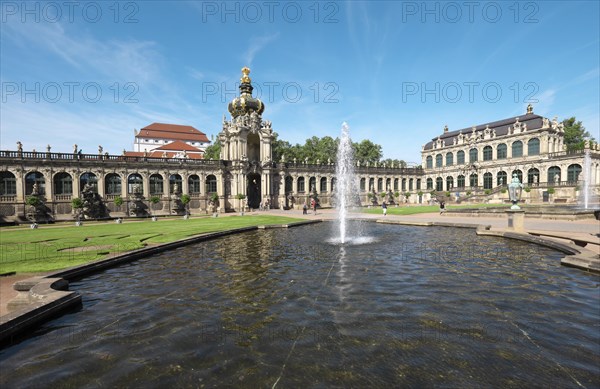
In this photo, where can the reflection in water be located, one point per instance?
(420, 307)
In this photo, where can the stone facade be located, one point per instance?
(468, 163)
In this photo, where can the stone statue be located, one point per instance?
(48, 148)
(545, 123)
(19, 147)
(35, 190)
(514, 191)
(529, 109)
(555, 123)
(556, 178)
(100, 149)
(75, 149)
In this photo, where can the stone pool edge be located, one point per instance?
(576, 257)
(43, 298)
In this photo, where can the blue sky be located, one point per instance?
(88, 73)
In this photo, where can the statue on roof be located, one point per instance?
(529, 109)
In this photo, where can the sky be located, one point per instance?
(89, 73)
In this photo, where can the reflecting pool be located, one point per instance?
(413, 307)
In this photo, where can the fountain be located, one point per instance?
(586, 188)
(346, 182)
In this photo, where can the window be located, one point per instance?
(449, 159)
(487, 153)
(8, 184)
(323, 186)
(134, 184)
(371, 184)
(35, 178)
(333, 182)
(396, 184)
(438, 160)
(156, 184)
(388, 184)
(473, 155)
(449, 183)
(429, 162)
(312, 184)
(573, 172)
(380, 184)
(63, 184)
(289, 184)
(517, 149)
(418, 184)
(410, 184)
(175, 179)
(429, 183)
(194, 183)
(533, 176)
(487, 181)
(363, 184)
(112, 184)
(501, 178)
(439, 184)
(460, 157)
(533, 146)
(501, 151)
(473, 180)
(300, 184)
(403, 184)
(460, 181)
(211, 184)
(88, 179)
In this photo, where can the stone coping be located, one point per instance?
(42, 298)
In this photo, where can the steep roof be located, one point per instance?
(179, 146)
(159, 154)
(533, 122)
(172, 131)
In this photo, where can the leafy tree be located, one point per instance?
(213, 151)
(575, 134)
(367, 151)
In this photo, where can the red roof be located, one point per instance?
(179, 146)
(159, 154)
(172, 131)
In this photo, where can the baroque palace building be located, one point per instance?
(470, 163)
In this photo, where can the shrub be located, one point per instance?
(240, 196)
(469, 193)
(407, 195)
(382, 194)
(503, 190)
(420, 193)
(154, 199)
(447, 194)
(118, 201)
(527, 189)
(214, 197)
(396, 194)
(551, 190)
(77, 203)
(488, 191)
(185, 199)
(32, 200)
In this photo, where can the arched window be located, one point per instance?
(501, 151)
(449, 159)
(533, 146)
(460, 157)
(156, 184)
(396, 184)
(429, 162)
(519, 174)
(194, 183)
(418, 184)
(487, 153)
(473, 180)
(439, 184)
(573, 172)
(175, 179)
(300, 185)
(403, 184)
(35, 178)
(438, 160)
(449, 183)
(410, 184)
(211, 184)
(371, 184)
(333, 182)
(487, 181)
(473, 155)
(553, 175)
(135, 183)
(460, 181)
(323, 185)
(289, 184)
(312, 184)
(517, 149)
(363, 184)
(8, 184)
(533, 176)
(388, 183)
(380, 184)
(501, 178)
(63, 184)
(112, 184)
(429, 183)
(88, 179)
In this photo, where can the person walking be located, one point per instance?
(442, 207)
(314, 206)
(384, 207)
(305, 209)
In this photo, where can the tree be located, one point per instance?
(367, 151)
(213, 151)
(575, 134)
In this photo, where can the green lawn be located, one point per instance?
(411, 210)
(53, 247)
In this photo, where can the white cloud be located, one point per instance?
(256, 45)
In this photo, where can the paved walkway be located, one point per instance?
(588, 229)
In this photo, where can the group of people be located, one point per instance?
(313, 206)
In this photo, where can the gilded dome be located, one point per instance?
(245, 103)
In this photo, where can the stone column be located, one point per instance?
(516, 220)
(76, 188)
(20, 177)
(146, 185)
(100, 184)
